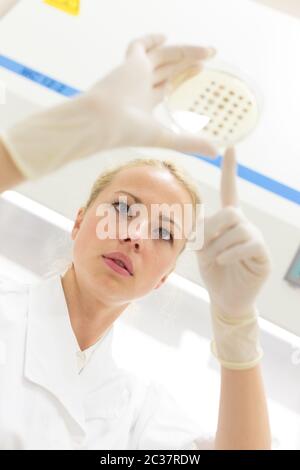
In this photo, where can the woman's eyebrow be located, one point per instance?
(137, 199)
(130, 194)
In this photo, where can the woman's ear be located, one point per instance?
(77, 223)
(165, 277)
(161, 282)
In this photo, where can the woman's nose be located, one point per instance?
(136, 231)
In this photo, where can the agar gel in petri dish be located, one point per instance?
(220, 104)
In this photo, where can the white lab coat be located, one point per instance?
(46, 404)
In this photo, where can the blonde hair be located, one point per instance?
(64, 260)
(186, 181)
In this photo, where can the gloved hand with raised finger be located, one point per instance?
(115, 112)
(234, 263)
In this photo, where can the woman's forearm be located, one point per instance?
(243, 414)
(9, 174)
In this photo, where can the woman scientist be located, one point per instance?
(59, 386)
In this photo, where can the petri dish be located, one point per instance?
(220, 102)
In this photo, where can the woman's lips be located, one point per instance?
(113, 265)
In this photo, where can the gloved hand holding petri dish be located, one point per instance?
(219, 102)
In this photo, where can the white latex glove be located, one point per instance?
(115, 112)
(6, 5)
(234, 264)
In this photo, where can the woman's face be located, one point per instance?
(152, 258)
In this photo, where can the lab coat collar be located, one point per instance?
(51, 345)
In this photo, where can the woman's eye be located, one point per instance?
(122, 205)
(168, 235)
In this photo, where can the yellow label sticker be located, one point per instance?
(69, 6)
